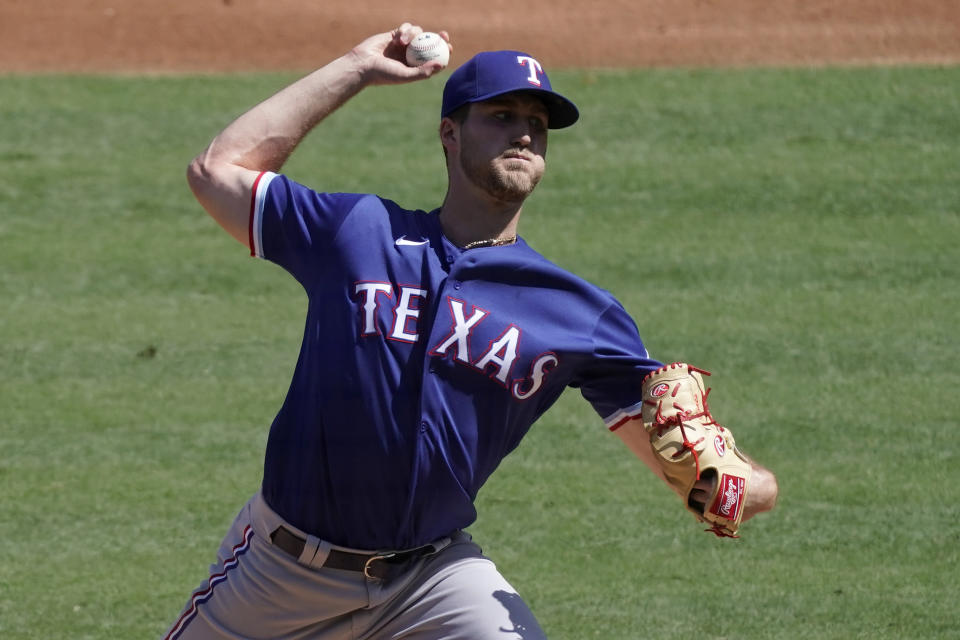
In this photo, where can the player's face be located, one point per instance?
(504, 145)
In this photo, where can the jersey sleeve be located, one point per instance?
(292, 225)
(611, 381)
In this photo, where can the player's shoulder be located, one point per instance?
(564, 279)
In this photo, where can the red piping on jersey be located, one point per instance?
(253, 209)
(619, 423)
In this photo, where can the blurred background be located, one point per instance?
(245, 35)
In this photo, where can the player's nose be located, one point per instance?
(522, 137)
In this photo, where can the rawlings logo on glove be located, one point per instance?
(729, 497)
(689, 445)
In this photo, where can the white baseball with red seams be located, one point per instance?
(427, 47)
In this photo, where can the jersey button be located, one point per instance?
(423, 427)
(449, 258)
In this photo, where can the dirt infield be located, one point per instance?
(240, 35)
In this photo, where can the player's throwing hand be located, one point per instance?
(382, 58)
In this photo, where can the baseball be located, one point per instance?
(427, 47)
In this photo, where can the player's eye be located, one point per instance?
(538, 124)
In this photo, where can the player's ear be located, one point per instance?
(449, 134)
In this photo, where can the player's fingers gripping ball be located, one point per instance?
(428, 47)
(689, 445)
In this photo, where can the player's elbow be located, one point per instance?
(198, 176)
(206, 179)
(204, 182)
(766, 487)
(223, 190)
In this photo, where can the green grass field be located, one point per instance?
(794, 231)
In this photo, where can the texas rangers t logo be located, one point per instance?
(535, 69)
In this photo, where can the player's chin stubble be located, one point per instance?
(498, 182)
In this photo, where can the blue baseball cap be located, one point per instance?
(494, 73)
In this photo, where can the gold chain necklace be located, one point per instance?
(492, 242)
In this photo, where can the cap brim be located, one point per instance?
(561, 111)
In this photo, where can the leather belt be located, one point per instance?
(373, 565)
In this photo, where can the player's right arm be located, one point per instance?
(223, 175)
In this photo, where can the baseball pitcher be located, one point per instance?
(434, 338)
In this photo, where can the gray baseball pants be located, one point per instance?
(258, 590)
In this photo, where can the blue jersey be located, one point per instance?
(422, 365)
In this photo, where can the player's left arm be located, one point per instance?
(671, 428)
(677, 436)
(764, 488)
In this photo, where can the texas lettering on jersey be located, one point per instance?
(495, 359)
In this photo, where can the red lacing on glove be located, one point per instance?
(691, 447)
(676, 420)
(706, 411)
(674, 365)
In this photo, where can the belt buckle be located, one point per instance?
(371, 559)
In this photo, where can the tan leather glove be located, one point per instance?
(689, 445)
